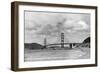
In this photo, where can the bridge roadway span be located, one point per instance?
(71, 45)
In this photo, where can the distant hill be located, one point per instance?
(87, 40)
(33, 46)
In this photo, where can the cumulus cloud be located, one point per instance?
(40, 24)
(81, 25)
(72, 25)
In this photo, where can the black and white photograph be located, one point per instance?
(56, 36)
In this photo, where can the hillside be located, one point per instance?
(33, 46)
(87, 40)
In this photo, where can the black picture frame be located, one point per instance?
(15, 33)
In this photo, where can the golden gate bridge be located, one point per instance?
(62, 44)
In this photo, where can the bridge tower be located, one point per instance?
(62, 40)
(45, 43)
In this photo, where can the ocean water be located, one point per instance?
(51, 54)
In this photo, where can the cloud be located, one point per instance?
(34, 19)
(81, 25)
(38, 25)
(72, 25)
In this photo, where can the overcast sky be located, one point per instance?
(38, 25)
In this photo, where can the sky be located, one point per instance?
(50, 25)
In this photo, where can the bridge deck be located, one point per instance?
(63, 43)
